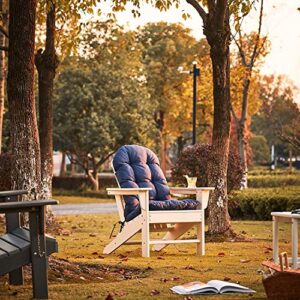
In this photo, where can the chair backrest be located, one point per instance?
(136, 166)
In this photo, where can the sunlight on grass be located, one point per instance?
(86, 236)
(81, 200)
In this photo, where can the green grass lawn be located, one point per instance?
(85, 236)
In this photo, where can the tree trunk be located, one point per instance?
(4, 13)
(63, 169)
(240, 129)
(46, 62)
(94, 180)
(26, 165)
(219, 220)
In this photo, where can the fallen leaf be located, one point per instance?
(95, 253)
(244, 261)
(240, 273)
(188, 298)
(92, 234)
(221, 254)
(175, 278)
(226, 278)
(159, 257)
(189, 267)
(109, 297)
(154, 292)
(82, 278)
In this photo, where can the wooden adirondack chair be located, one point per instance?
(174, 222)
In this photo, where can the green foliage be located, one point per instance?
(165, 48)
(274, 181)
(279, 117)
(101, 100)
(260, 149)
(259, 203)
(193, 161)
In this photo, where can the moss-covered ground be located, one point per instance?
(126, 275)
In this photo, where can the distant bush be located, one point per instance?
(279, 180)
(193, 162)
(258, 204)
(260, 149)
(5, 171)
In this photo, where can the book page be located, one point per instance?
(224, 287)
(194, 287)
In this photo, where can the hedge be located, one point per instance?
(278, 180)
(258, 204)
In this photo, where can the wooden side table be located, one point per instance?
(287, 217)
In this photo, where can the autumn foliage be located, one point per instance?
(193, 161)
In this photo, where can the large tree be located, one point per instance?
(26, 167)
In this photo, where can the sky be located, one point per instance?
(281, 23)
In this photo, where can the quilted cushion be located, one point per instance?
(137, 166)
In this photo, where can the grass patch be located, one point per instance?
(81, 200)
(85, 236)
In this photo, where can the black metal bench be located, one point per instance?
(20, 246)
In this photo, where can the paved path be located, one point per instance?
(78, 209)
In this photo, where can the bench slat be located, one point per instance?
(15, 241)
(8, 248)
(3, 254)
(22, 233)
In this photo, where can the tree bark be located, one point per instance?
(46, 63)
(218, 34)
(3, 70)
(26, 166)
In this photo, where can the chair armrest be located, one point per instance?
(189, 190)
(127, 191)
(202, 193)
(143, 194)
(5, 194)
(23, 206)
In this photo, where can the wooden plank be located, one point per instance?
(3, 254)
(12, 193)
(22, 233)
(175, 216)
(158, 242)
(8, 248)
(126, 191)
(14, 261)
(24, 205)
(15, 241)
(189, 191)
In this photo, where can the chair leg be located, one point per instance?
(129, 230)
(16, 277)
(145, 239)
(201, 236)
(39, 258)
(173, 234)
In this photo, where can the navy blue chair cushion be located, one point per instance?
(136, 166)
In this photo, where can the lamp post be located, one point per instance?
(196, 73)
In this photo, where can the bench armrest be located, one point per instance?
(23, 206)
(5, 194)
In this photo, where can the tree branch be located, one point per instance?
(199, 9)
(241, 51)
(254, 53)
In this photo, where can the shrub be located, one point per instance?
(5, 171)
(273, 180)
(258, 204)
(193, 162)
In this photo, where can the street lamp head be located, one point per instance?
(194, 62)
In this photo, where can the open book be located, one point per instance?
(211, 287)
